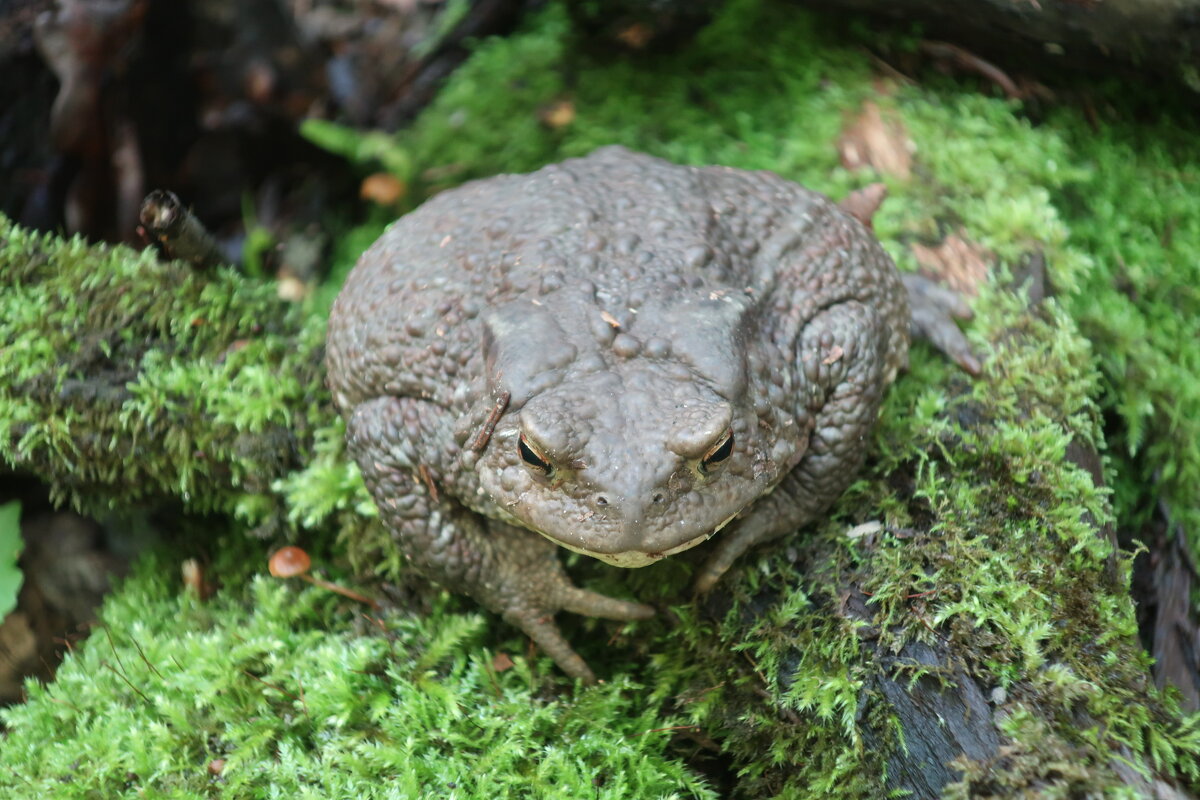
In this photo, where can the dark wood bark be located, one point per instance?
(1159, 36)
(1164, 578)
(942, 720)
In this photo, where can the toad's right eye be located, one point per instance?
(717, 454)
(531, 456)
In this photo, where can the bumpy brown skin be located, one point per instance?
(635, 313)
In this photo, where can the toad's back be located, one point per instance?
(620, 228)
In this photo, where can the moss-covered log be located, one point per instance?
(127, 380)
(960, 625)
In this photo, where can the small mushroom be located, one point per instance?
(293, 562)
(290, 562)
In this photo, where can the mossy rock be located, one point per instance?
(968, 574)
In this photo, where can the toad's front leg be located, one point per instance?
(513, 572)
(843, 355)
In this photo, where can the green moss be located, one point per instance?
(300, 697)
(1135, 213)
(1113, 206)
(11, 545)
(127, 380)
(988, 546)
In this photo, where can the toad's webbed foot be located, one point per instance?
(934, 309)
(527, 585)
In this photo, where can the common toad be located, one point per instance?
(617, 355)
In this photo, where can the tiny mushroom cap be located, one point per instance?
(288, 562)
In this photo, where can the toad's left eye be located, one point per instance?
(717, 453)
(531, 456)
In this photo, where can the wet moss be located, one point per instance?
(990, 542)
(126, 380)
(271, 690)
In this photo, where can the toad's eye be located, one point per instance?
(532, 457)
(718, 453)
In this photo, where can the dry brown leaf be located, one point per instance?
(957, 262)
(863, 203)
(636, 36)
(502, 662)
(194, 581)
(382, 188)
(877, 140)
(558, 114)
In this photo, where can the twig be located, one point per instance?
(181, 234)
(64, 703)
(489, 425)
(128, 682)
(429, 484)
(112, 646)
(142, 653)
(669, 728)
(970, 62)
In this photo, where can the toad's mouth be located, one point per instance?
(631, 559)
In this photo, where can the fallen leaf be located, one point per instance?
(635, 36)
(863, 203)
(957, 262)
(382, 188)
(877, 140)
(502, 662)
(558, 114)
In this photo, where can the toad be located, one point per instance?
(616, 355)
